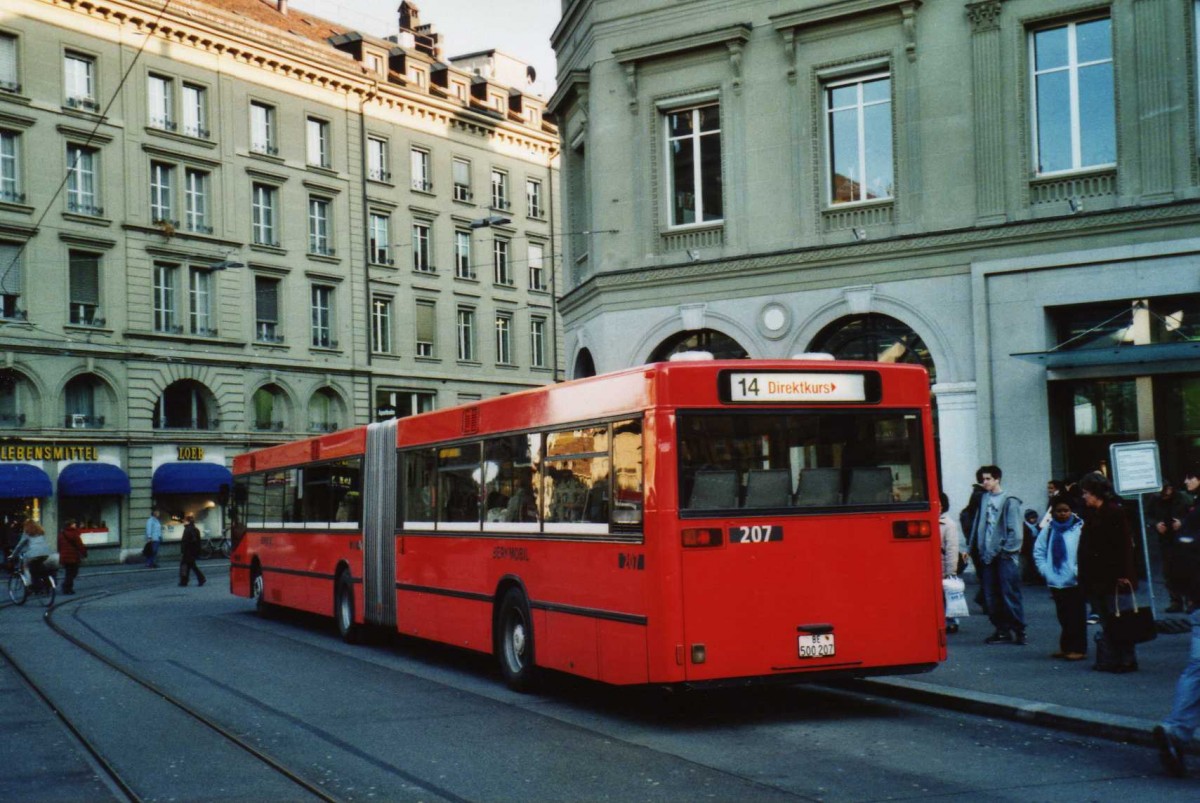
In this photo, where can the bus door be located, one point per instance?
(792, 555)
(379, 524)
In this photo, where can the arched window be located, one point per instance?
(875, 338)
(16, 399)
(185, 404)
(269, 409)
(84, 403)
(324, 411)
(584, 365)
(719, 344)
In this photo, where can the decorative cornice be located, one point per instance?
(274, 178)
(86, 241)
(179, 156)
(16, 120)
(733, 38)
(984, 15)
(83, 134)
(839, 11)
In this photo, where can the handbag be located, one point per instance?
(1130, 623)
(147, 549)
(956, 601)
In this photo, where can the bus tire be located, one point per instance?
(343, 609)
(258, 589)
(514, 641)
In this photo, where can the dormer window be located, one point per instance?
(417, 77)
(375, 63)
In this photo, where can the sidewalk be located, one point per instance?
(1026, 684)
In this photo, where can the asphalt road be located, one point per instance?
(398, 719)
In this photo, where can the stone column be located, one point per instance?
(958, 424)
(987, 84)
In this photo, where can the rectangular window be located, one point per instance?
(463, 268)
(694, 165)
(318, 227)
(84, 292)
(9, 78)
(381, 325)
(537, 342)
(466, 334)
(82, 197)
(195, 111)
(860, 139)
(380, 238)
(200, 303)
(161, 114)
(500, 263)
(1074, 105)
(811, 459)
(420, 247)
(377, 161)
(195, 193)
(537, 271)
(499, 190)
(322, 317)
(79, 78)
(10, 287)
(533, 197)
(164, 299)
(421, 178)
(375, 63)
(576, 479)
(262, 128)
(318, 142)
(266, 310)
(263, 219)
(426, 329)
(458, 473)
(10, 168)
(504, 339)
(162, 179)
(462, 179)
(509, 483)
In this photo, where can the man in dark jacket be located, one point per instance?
(189, 550)
(996, 536)
(71, 552)
(1165, 514)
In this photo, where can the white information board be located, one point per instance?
(796, 387)
(1135, 467)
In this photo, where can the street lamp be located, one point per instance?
(225, 264)
(490, 220)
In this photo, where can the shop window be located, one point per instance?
(1094, 414)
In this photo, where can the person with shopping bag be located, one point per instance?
(952, 559)
(1106, 561)
(1056, 555)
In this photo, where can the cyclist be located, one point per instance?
(33, 549)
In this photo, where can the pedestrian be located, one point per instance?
(1165, 513)
(1054, 488)
(1182, 557)
(71, 551)
(189, 550)
(1056, 554)
(154, 536)
(1175, 732)
(34, 549)
(952, 555)
(996, 535)
(1106, 567)
(1029, 569)
(966, 520)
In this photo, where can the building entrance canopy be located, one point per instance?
(23, 481)
(93, 479)
(1114, 355)
(191, 478)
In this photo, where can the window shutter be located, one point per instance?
(10, 270)
(8, 59)
(85, 279)
(266, 299)
(425, 323)
(462, 172)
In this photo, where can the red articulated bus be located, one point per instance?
(691, 522)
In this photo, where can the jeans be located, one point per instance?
(152, 558)
(1001, 581)
(72, 571)
(1071, 605)
(1185, 712)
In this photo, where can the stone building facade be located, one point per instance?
(1004, 190)
(225, 224)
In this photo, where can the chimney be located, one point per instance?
(281, 6)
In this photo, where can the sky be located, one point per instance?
(520, 28)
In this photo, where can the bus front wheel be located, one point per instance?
(514, 641)
(343, 609)
(257, 589)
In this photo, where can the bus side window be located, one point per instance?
(509, 476)
(252, 512)
(418, 492)
(459, 473)
(627, 473)
(577, 476)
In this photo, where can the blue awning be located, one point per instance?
(22, 481)
(191, 478)
(93, 479)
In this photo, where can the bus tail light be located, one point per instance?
(702, 537)
(911, 529)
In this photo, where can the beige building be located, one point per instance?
(225, 224)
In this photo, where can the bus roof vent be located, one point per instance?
(690, 356)
(813, 355)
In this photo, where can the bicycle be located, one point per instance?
(211, 547)
(22, 584)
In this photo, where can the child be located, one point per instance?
(1056, 555)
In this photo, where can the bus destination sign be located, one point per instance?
(797, 387)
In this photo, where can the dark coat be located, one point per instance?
(189, 546)
(1105, 550)
(71, 549)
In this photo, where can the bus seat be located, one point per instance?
(870, 486)
(768, 488)
(819, 487)
(714, 489)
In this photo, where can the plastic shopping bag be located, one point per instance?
(956, 599)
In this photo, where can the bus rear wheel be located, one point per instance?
(257, 589)
(514, 641)
(343, 609)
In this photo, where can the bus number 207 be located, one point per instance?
(755, 534)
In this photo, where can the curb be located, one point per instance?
(1114, 727)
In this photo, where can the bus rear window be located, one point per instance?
(800, 460)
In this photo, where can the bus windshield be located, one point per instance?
(800, 460)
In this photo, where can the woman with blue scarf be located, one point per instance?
(1056, 556)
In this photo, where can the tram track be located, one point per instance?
(115, 778)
